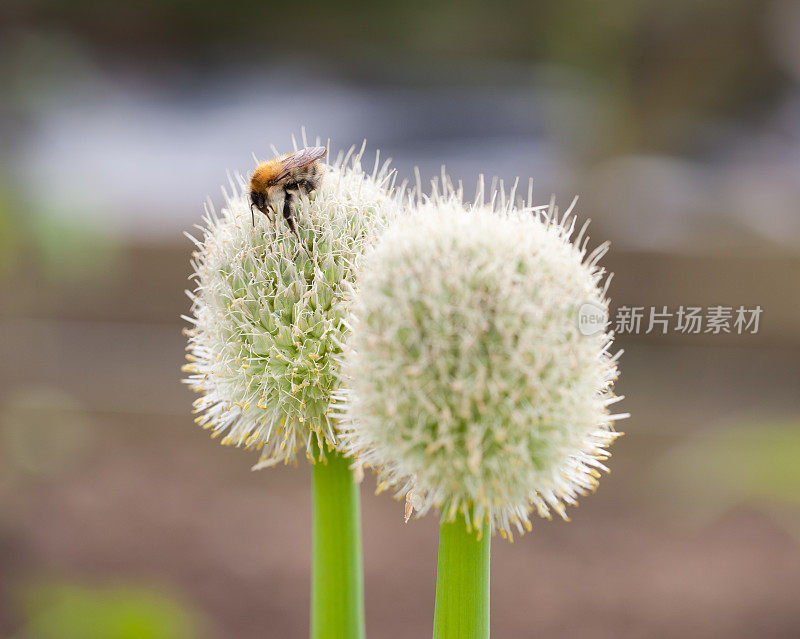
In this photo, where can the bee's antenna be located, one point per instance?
(252, 215)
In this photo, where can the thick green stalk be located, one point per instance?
(337, 579)
(462, 583)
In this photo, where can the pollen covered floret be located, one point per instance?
(268, 310)
(469, 385)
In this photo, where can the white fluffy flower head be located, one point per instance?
(470, 387)
(268, 311)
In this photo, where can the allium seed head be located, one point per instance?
(268, 311)
(469, 385)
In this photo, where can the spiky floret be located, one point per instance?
(267, 310)
(469, 386)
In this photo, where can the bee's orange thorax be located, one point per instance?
(264, 175)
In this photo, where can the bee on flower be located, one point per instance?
(269, 307)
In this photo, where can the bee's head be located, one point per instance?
(258, 200)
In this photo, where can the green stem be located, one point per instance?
(462, 583)
(337, 579)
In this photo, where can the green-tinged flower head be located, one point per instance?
(268, 311)
(469, 384)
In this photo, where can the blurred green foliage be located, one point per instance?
(69, 611)
(9, 233)
(753, 462)
(73, 248)
(758, 461)
(65, 246)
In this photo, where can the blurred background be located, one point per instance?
(678, 124)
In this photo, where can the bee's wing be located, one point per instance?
(300, 159)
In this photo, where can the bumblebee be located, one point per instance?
(276, 184)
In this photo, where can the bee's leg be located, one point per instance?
(287, 214)
(252, 215)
